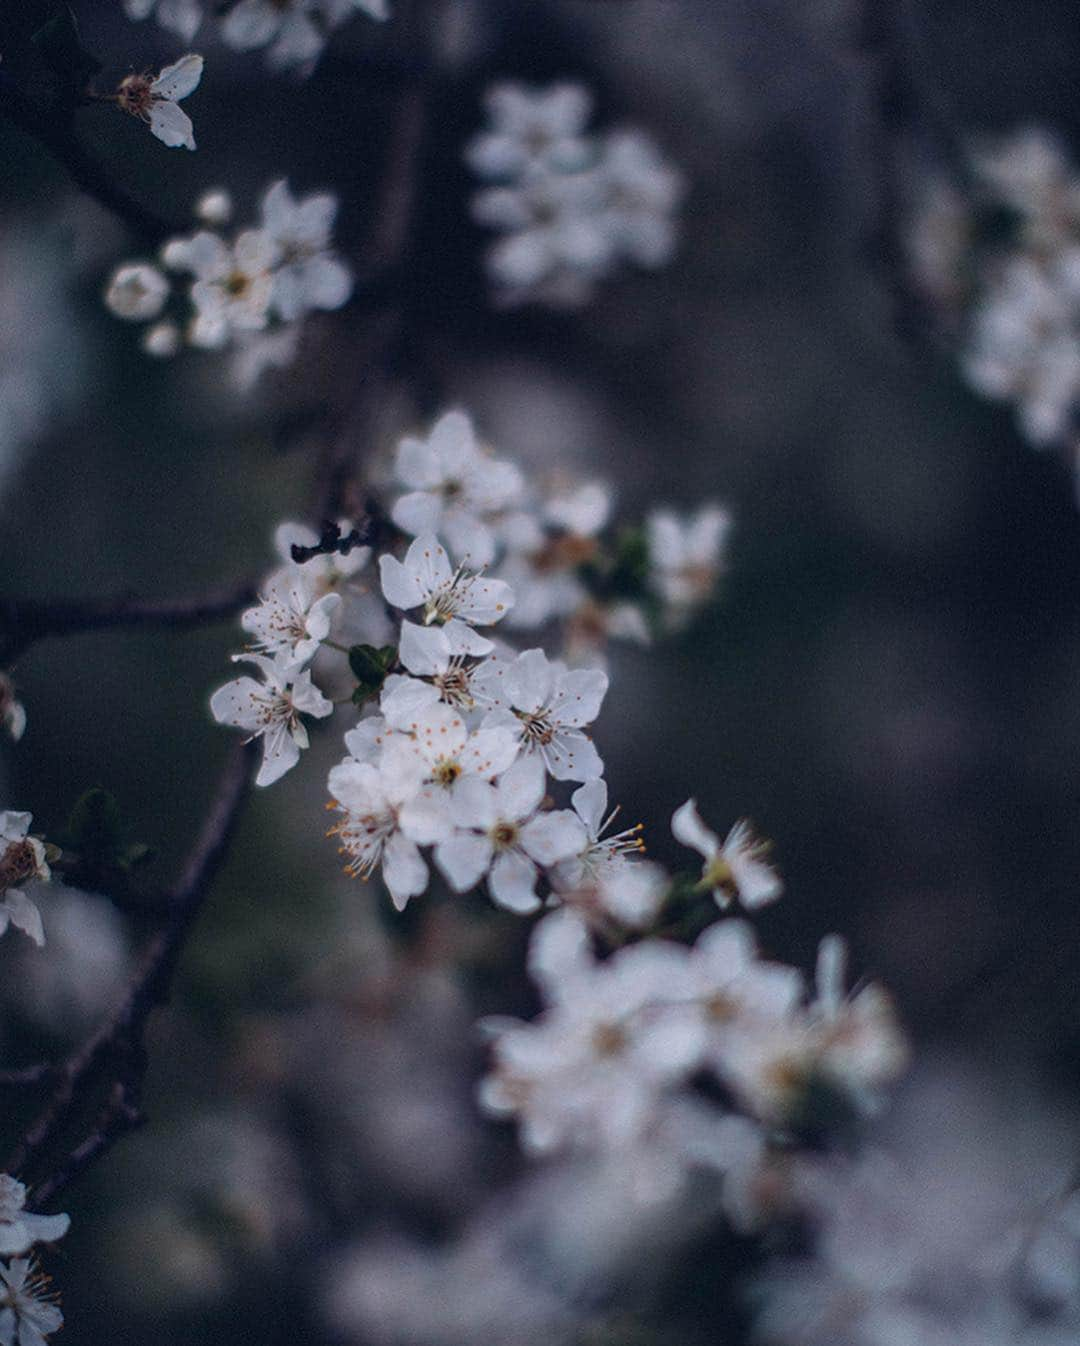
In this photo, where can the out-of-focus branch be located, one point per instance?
(25, 621)
(118, 1045)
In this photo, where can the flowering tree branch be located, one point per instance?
(113, 1061)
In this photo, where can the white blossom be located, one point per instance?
(457, 600)
(453, 488)
(271, 710)
(19, 1229)
(136, 291)
(28, 1310)
(732, 870)
(387, 815)
(533, 131)
(292, 618)
(501, 831)
(306, 273)
(593, 1069)
(685, 557)
(642, 192)
(157, 101)
(181, 16)
(12, 712)
(233, 283)
(22, 859)
(440, 749)
(547, 706)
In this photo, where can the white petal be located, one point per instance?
(176, 81)
(401, 585)
(280, 754)
(572, 755)
(687, 827)
(463, 860)
(424, 650)
(513, 883)
(475, 803)
(418, 512)
(235, 704)
(404, 699)
(578, 696)
(551, 837)
(22, 914)
(172, 126)
(590, 803)
(521, 788)
(404, 871)
(528, 680)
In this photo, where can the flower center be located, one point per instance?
(453, 687)
(536, 726)
(718, 874)
(134, 95)
(504, 836)
(18, 863)
(445, 772)
(236, 285)
(608, 1040)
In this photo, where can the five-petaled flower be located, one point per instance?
(271, 710)
(455, 599)
(735, 869)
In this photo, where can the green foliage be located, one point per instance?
(95, 839)
(370, 667)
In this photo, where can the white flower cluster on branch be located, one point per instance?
(292, 33)
(28, 1309)
(1000, 263)
(249, 292)
(475, 760)
(572, 206)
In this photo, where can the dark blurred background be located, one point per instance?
(889, 684)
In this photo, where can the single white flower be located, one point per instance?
(437, 746)
(271, 710)
(594, 1068)
(534, 132)
(28, 1310)
(291, 619)
(306, 274)
(643, 191)
(181, 16)
(685, 557)
(546, 706)
(734, 869)
(387, 814)
(19, 1229)
(454, 487)
(456, 600)
(22, 859)
(233, 283)
(437, 675)
(12, 713)
(598, 852)
(501, 831)
(136, 291)
(157, 101)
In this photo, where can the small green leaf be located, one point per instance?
(370, 667)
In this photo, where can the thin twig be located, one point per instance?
(24, 621)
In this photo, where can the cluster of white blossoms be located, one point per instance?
(907, 1256)
(485, 544)
(292, 33)
(28, 1308)
(1000, 261)
(554, 543)
(474, 760)
(22, 860)
(571, 205)
(249, 292)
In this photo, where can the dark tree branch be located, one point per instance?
(119, 1043)
(52, 127)
(29, 1077)
(24, 621)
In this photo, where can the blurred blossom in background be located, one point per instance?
(658, 253)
